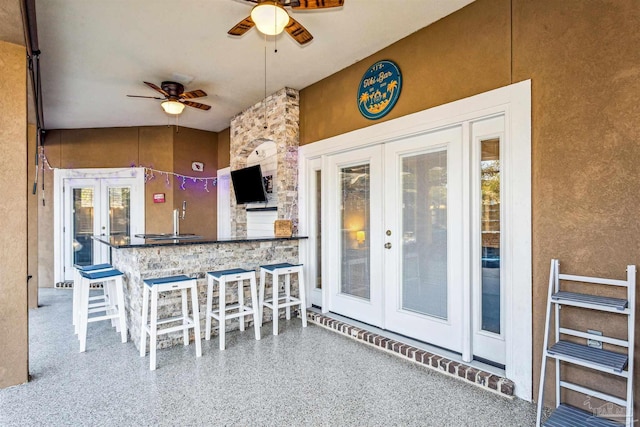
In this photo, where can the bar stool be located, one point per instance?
(113, 308)
(166, 284)
(101, 299)
(286, 301)
(222, 314)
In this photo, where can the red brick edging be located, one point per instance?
(500, 385)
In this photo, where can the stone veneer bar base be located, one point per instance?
(486, 380)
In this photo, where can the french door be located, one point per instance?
(97, 206)
(354, 222)
(395, 240)
(423, 238)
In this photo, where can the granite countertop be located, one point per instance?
(119, 242)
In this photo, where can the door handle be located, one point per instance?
(387, 245)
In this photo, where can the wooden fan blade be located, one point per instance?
(156, 88)
(140, 96)
(242, 27)
(298, 32)
(197, 105)
(317, 4)
(198, 93)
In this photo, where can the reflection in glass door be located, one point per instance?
(82, 225)
(424, 234)
(353, 250)
(354, 206)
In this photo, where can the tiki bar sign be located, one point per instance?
(379, 89)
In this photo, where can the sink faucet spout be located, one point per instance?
(176, 222)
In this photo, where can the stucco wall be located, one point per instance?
(14, 355)
(584, 63)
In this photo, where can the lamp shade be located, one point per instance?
(270, 18)
(172, 107)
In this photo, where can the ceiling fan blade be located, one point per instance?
(140, 96)
(298, 32)
(156, 88)
(317, 4)
(242, 27)
(197, 105)
(198, 93)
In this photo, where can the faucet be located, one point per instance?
(177, 217)
(176, 222)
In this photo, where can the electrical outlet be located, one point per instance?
(592, 342)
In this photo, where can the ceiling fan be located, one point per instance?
(271, 17)
(175, 98)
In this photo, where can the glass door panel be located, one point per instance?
(82, 225)
(424, 234)
(490, 229)
(119, 211)
(354, 228)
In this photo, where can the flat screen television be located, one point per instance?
(249, 185)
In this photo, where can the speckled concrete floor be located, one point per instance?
(309, 377)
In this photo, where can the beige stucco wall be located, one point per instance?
(14, 338)
(584, 62)
(192, 145)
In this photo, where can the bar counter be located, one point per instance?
(142, 258)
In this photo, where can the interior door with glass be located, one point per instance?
(423, 254)
(94, 206)
(351, 258)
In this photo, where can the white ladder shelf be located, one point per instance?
(618, 363)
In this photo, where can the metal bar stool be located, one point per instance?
(165, 284)
(113, 308)
(226, 312)
(286, 301)
(94, 301)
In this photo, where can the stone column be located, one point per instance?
(282, 126)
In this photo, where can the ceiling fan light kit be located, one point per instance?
(172, 107)
(270, 18)
(175, 98)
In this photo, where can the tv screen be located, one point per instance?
(248, 185)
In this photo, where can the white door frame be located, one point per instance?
(514, 101)
(59, 176)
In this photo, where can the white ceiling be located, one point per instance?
(95, 52)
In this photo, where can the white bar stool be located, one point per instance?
(97, 299)
(286, 301)
(223, 313)
(113, 308)
(165, 284)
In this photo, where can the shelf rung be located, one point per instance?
(594, 358)
(593, 393)
(580, 334)
(613, 305)
(594, 280)
(565, 416)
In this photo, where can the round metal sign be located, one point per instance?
(379, 89)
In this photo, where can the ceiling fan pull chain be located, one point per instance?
(265, 81)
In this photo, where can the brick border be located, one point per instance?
(485, 380)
